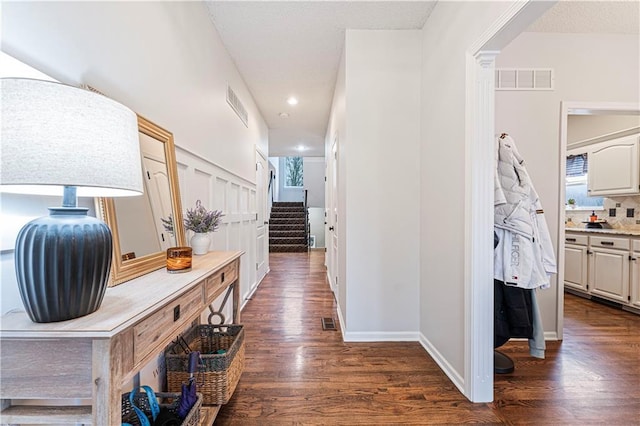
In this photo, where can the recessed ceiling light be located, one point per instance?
(300, 148)
(284, 115)
(292, 101)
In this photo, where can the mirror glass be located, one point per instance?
(138, 224)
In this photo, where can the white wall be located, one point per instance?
(314, 169)
(166, 62)
(583, 127)
(450, 30)
(274, 166)
(379, 166)
(314, 183)
(588, 67)
(336, 130)
(317, 225)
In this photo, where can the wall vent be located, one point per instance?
(92, 89)
(236, 105)
(524, 79)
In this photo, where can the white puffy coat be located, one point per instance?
(524, 256)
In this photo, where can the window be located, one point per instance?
(293, 171)
(576, 184)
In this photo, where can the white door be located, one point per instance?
(332, 218)
(610, 274)
(157, 186)
(575, 267)
(262, 223)
(635, 279)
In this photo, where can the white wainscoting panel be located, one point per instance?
(244, 200)
(202, 181)
(234, 198)
(220, 189)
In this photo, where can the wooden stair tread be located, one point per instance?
(288, 227)
(42, 414)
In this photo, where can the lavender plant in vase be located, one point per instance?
(201, 222)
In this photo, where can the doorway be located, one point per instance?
(538, 123)
(262, 223)
(332, 217)
(614, 112)
(480, 147)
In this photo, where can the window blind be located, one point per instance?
(577, 165)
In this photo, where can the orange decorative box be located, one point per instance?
(179, 259)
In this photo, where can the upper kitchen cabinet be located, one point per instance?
(613, 167)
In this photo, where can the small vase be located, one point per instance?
(200, 243)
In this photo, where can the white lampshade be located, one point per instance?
(54, 135)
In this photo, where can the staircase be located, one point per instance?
(287, 227)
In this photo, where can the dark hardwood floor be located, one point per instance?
(296, 373)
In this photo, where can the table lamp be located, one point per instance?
(63, 140)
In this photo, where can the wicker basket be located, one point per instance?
(165, 399)
(218, 373)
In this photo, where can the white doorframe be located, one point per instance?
(262, 219)
(332, 217)
(480, 159)
(480, 113)
(568, 108)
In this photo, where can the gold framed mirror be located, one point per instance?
(140, 238)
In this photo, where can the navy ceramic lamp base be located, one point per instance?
(62, 264)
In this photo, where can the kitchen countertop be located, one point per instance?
(609, 231)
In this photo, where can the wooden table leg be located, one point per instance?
(111, 358)
(236, 302)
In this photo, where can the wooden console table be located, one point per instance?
(94, 356)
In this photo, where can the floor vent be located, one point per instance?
(328, 324)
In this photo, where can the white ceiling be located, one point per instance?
(293, 48)
(604, 17)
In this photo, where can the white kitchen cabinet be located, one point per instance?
(609, 269)
(603, 264)
(635, 280)
(635, 275)
(614, 167)
(575, 261)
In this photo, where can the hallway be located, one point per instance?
(296, 373)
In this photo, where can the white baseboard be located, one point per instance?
(340, 319)
(548, 337)
(374, 336)
(407, 336)
(252, 292)
(380, 336)
(331, 284)
(444, 365)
